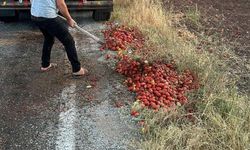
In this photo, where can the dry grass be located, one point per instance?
(222, 117)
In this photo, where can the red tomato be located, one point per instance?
(134, 113)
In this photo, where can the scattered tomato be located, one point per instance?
(134, 113)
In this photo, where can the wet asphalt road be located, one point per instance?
(52, 110)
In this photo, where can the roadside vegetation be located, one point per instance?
(219, 116)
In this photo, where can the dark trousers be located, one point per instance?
(56, 27)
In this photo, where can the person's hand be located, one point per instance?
(71, 23)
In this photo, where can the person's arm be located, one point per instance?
(64, 11)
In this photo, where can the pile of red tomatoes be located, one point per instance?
(121, 38)
(157, 85)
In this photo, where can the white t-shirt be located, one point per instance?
(44, 8)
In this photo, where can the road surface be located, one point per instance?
(53, 110)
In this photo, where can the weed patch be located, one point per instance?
(216, 117)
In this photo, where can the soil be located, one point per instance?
(230, 21)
